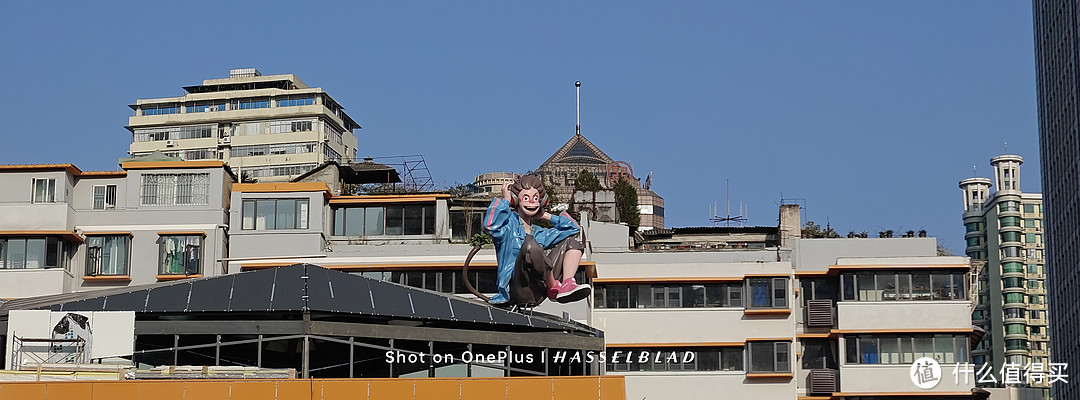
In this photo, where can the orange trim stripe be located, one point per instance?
(900, 266)
(171, 164)
(103, 174)
(966, 395)
(779, 339)
(172, 277)
(282, 187)
(872, 331)
(779, 375)
(107, 233)
(767, 311)
(689, 344)
(385, 199)
(814, 336)
(386, 266)
(69, 235)
(70, 168)
(689, 279)
(108, 278)
(182, 233)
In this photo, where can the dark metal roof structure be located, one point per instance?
(297, 288)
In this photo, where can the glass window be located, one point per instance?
(107, 255)
(769, 357)
(414, 219)
(395, 220)
(180, 255)
(693, 296)
(886, 285)
(920, 286)
(373, 221)
(941, 286)
(104, 197)
(890, 349)
(44, 190)
(818, 354)
(848, 282)
(865, 282)
(767, 292)
(731, 359)
(270, 214)
(175, 189)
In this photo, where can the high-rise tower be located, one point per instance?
(270, 128)
(1057, 59)
(1004, 230)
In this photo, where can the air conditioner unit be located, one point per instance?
(170, 143)
(325, 137)
(225, 140)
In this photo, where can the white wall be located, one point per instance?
(674, 325)
(18, 283)
(895, 378)
(719, 385)
(879, 315)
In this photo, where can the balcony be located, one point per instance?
(880, 315)
(31, 282)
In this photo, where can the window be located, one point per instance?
(104, 197)
(669, 295)
(175, 189)
(180, 255)
(282, 170)
(905, 349)
(408, 220)
(272, 149)
(289, 101)
(271, 214)
(173, 133)
(819, 354)
(161, 109)
(32, 252)
(1029, 208)
(44, 190)
(767, 292)
(769, 356)
(903, 285)
(107, 255)
(253, 103)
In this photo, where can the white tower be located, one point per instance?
(1007, 172)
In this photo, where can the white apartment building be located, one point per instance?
(270, 128)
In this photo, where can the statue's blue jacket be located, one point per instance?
(509, 233)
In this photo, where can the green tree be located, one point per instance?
(587, 182)
(812, 230)
(627, 203)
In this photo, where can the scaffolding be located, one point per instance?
(413, 171)
(38, 351)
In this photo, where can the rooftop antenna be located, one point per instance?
(578, 86)
(729, 218)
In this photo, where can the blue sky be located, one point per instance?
(870, 111)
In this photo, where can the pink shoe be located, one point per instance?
(571, 291)
(553, 291)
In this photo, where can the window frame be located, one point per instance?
(779, 348)
(108, 197)
(49, 194)
(301, 219)
(163, 242)
(96, 268)
(776, 292)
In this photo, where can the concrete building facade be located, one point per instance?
(269, 128)
(64, 230)
(1057, 70)
(1005, 232)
